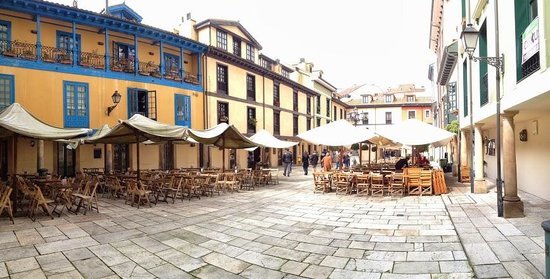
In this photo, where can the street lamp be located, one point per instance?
(354, 117)
(116, 99)
(469, 38)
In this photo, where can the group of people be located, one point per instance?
(326, 158)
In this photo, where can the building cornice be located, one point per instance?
(101, 21)
(253, 67)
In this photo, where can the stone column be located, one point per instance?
(480, 186)
(40, 154)
(464, 135)
(513, 206)
(108, 157)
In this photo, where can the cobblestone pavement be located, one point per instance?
(281, 231)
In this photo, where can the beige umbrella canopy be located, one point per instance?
(266, 139)
(16, 120)
(223, 136)
(337, 133)
(138, 129)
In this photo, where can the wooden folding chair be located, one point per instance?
(220, 182)
(362, 185)
(377, 185)
(136, 190)
(397, 184)
(39, 202)
(413, 181)
(5, 202)
(426, 182)
(464, 174)
(274, 176)
(87, 200)
(231, 182)
(342, 183)
(320, 183)
(175, 191)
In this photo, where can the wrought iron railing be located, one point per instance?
(27, 51)
(18, 49)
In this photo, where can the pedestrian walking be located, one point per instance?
(287, 162)
(327, 162)
(305, 161)
(314, 160)
(336, 159)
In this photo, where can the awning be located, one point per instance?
(448, 63)
(223, 135)
(264, 138)
(139, 129)
(337, 133)
(17, 120)
(413, 133)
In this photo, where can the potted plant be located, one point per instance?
(144, 71)
(65, 58)
(116, 66)
(47, 57)
(28, 54)
(8, 49)
(156, 73)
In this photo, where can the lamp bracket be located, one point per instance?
(497, 62)
(110, 109)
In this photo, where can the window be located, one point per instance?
(308, 105)
(295, 125)
(123, 57)
(265, 63)
(250, 87)
(295, 100)
(285, 73)
(365, 99)
(411, 114)
(410, 99)
(171, 64)
(221, 39)
(276, 97)
(318, 121)
(222, 79)
(388, 117)
(5, 34)
(328, 107)
(483, 68)
(341, 114)
(427, 114)
(388, 98)
(251, 120)
(308, 123)
(334, 113)
(318, 104)
(7, 88)
(365, 118)
(237, 46)
(526, 13)
(65, 42)
(75, 97)
(223, 112)
(250, 55)
(465, 88)
(276, 123)
(451, 92)
(142, 102)
(183, 110)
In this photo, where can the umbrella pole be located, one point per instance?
(16, 189)
(223, 159)
(369, 153)
(360, 154)
(138, 172)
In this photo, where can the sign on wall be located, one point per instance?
(530, 40)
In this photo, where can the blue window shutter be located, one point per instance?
(132, 102)
(76, 100)
(7, 90)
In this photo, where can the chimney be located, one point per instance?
(187, 27)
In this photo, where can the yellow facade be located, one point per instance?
(39, 86)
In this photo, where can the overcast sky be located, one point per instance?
(374, 42)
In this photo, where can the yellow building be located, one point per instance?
(248, 89)
(64, 64)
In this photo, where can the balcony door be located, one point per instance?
(124, 57)
(66, 159)
(3, 160)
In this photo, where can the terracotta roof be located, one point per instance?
(347, 91)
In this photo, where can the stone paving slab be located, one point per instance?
(282, 231)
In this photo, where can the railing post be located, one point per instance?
(38, 40)
(199, 71)
(182, 69)
(136, 55)
(75, 51)
(107, 58)
(161, 63)
(546, 227)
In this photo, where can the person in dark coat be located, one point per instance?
(314, 160)
(305, 161)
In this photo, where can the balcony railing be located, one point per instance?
(21, 50)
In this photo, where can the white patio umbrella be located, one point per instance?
(413, 132)
(266, 139)
(337, 133)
